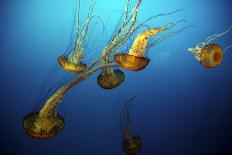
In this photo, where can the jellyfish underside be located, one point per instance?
(110, 78)
(50, 128)
(131, 62)
(71, 67)
(132, 145)
(211, 56)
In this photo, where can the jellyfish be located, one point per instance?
(131, 143)
(110, 78)
(72, 61)
(69, 66)
(47, 122)
(136, 59)
(209, 54)
(227, 48)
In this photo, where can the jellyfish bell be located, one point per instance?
(48, 129)
(132, 145)
(131, 62)
(211, 56)
(71, 67)
(136, 60)
(110, 78)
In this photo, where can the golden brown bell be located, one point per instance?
(211, 56)
(110, 78)
(132, 145)
(131, 62)
(71, 67)
(33, 131)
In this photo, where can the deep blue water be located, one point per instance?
(181, 107)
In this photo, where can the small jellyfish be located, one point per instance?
(210, 55)
(131, 143)
(110, 78)
(136, 59)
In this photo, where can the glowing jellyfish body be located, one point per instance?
(35, 131)
(211, 56)
(136, 60)
(46, 123)
(110, 78)
(131, 62)
(71, 67)
(208, 54)
(132, 145)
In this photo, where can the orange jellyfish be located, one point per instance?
(136, 59)
(42, 132)
(131, 143)
(210, 55)
(110, 78)
(71, 67)
(47, 122)
(72, 61)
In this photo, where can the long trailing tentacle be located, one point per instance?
(128, 24)
(90, 39)
(101, 20)
(126, 11)
(74, 33)
(43, 90)
(125, 119)
(78, 53)
(227, 48)
(159, 15)
(78, 16)
(84, 29)
(157, 41)
(215, 36)
(89, 18)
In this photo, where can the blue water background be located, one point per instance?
(181, 108)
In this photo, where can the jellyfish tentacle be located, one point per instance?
(159, 15)
(156, 42)
(78, 16)
(125, 116)
(127, 122)
(126, 11)
(197, 50)
(215, 36)
(77, 55)
(125, 29)
(100, 19)
(119, 38)
(141, 41)
(227, 48)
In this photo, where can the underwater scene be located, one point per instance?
(119, 77)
